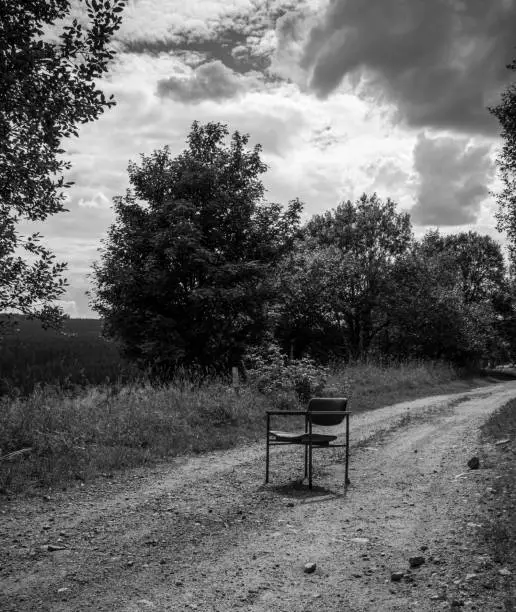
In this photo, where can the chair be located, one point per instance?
(324, 411)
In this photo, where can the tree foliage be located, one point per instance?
(434, 313)
(49, 66)
(359, 285)
(476, 261)
(505, 112)
(186, 275)
(340, 278)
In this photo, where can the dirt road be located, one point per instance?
(204, 533)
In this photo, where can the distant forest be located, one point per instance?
(78, 356)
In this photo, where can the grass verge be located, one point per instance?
(372, 386)
(76, 437)
(498, 535)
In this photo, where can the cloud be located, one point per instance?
(242, 34)
(230, 32)
(210, 81)
(391, 176)
(158, 21)
(69, 307)
(291, 33)
(99, 200)
(75, 301)
(453, 178)
(441, 62)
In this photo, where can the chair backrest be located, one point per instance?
(336, 404)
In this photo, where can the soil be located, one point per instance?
(204, 532)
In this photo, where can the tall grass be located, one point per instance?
(372, 385)
(498, 533)
(104, 428)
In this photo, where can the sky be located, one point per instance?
(345, 97)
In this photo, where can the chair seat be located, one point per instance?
(302, 438)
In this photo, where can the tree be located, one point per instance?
(451, 300)
(505, 112)
(186, 273)
(309, 318)
(49, 65)
(428, 316)
(478, 262)
(349, 254)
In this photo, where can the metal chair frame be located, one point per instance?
(310, 439)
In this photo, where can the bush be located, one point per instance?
(285, 383)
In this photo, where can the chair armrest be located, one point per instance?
(329, 412)
(287, 412)
(306, 412)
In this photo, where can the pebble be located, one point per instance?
(309, 568)
(474, 463)
(360, 540)
(438, 597)
(416, 561)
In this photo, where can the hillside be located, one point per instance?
(76, 356)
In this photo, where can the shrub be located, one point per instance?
(286, 383)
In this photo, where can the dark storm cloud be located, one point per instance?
(219, 46)
(234, 39)
(453, 174)
(211, 81)
(440, 61)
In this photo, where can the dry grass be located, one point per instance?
(101, 430)
(106, 428)
(500, 526)
(373, 386)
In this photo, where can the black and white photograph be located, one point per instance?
(257, 305)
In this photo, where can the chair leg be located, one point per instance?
(310, 468)
(267, 452)
(306, 450)
(347, 480)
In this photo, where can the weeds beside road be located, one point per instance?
(497, 537)
(75, 437)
